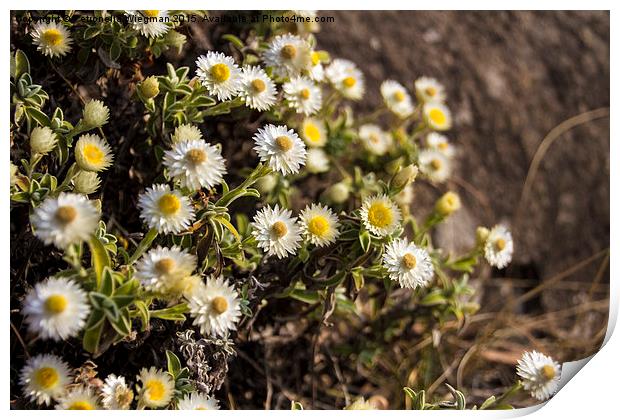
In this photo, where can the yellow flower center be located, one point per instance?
(155, 390)
(399, 96)
(65, 214)
(349, 82)
(315, 58)
(258, 85)
(52, 37)
(46, 377)
(409, 261)
(220, 72)
(437, 116)
(436, 164)
(548, 372)
(500, 244)
(380, 215)
(279, 229)
(169, 204)
(304, 93)
(319, 226)
(288, 52)
(374, 139)
(165, 265)
(81, 405)
(196, 156)
(219, 304)
(430, 91)
(443, 146)
(312, 132)
(56, 304)
(284, 143)
(200, 407)
(151, 13)
(93, 154)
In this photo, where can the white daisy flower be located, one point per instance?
(44, 378)
(66, 220)
(319, 224)
(116, 395)
(219, 74)
(79, 398)
(56, 309)
(165, 210)
(168, 271)
(258, 90)
(150, 23)
(303, 95)
(288, 55)
(429, 90)
(435, 165)
(440, 143)
(317, 71)
(51, 38)
(313, 132)
(396, 98)
(540, 374)
(92, 153)
(407, 264)
(215, 307)
(374, 139)
(317, 161)
(156, 389)
(498, 247)
(380, 215)
(346, 78)
(281, 148)
(186, 132)
(161, 269)
(195, 164)
(198, 401)
(276, 231)
(437, 116)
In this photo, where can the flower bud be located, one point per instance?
(405, 176)
(149, 88)
(86, 182)
(95, 113)
(482, 234)
(42, 140)
(338, 193)
(266, 184)
(175, 40)
(317, 161)
(186, 132)
(448, 204)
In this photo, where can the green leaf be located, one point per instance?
(22, 65)
(174, 364)
(488, 402)
(144, 244)
(38, 116)
(91, 32)
(296, 405)
(143, 313)
(107, 282)
(92, 336)
(99, 257)
(364, 237)
(234, 40)
(173, 313)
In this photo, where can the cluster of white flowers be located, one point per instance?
(46, 378)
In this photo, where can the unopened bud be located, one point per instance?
(96, 113)
(338, 193)
(86, 182)
(405, 176)
(482, 235)
(149, 88)
(42, 140)
(448, 204)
